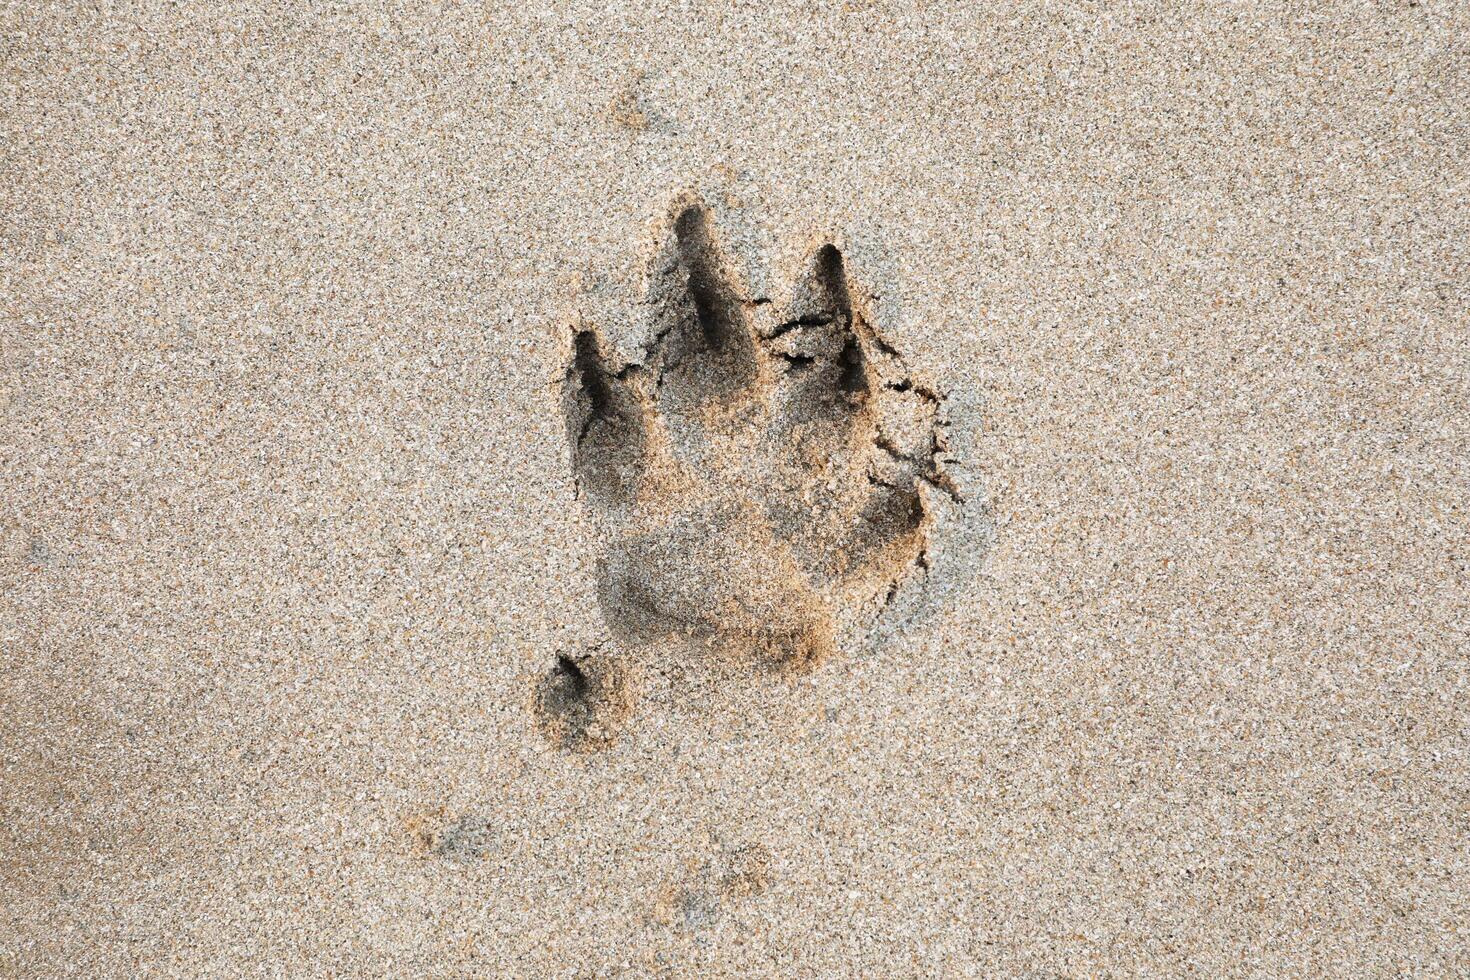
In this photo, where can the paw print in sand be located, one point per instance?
(758, 473)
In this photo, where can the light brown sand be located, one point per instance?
(290, 530)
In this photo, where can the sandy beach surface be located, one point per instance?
(574, 490)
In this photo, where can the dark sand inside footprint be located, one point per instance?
(581, 702)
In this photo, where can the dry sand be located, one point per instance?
(293, 537)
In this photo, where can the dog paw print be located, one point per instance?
(758, 472)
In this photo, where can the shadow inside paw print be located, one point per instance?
(756, 473)
(580, 702)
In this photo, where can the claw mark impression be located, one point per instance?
(757, 470)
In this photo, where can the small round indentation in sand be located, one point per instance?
(580, 703)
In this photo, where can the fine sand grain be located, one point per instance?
(571, 490)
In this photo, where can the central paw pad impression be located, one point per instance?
(759, 475)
